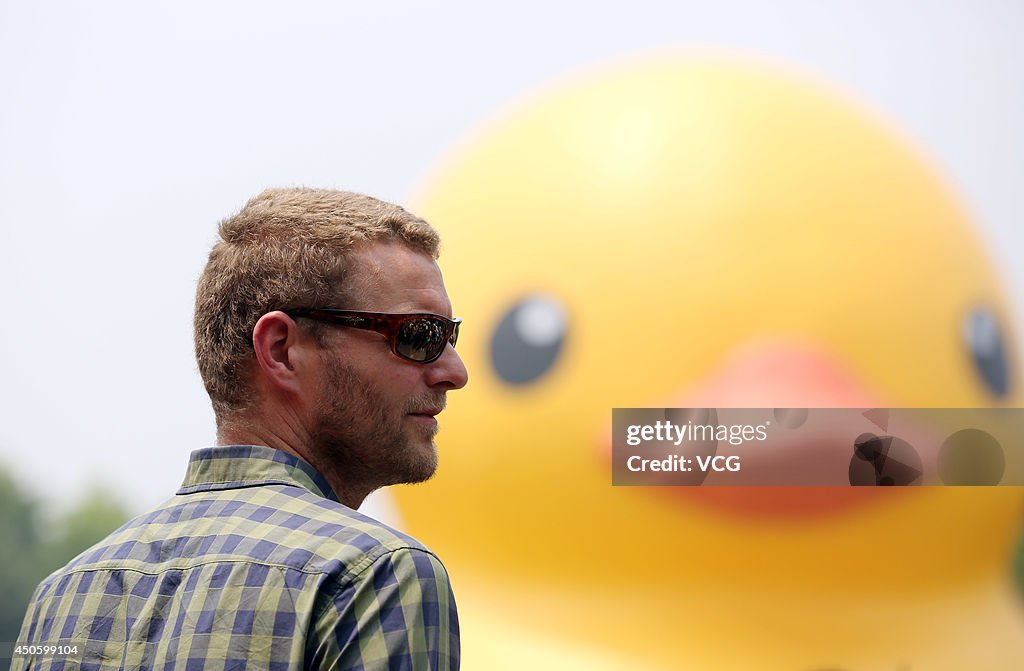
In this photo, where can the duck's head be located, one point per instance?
(703, 232)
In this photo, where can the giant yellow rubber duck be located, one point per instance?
(694, 230)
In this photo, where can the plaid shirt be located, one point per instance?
(254, 564)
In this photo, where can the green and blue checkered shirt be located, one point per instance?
(254, 564)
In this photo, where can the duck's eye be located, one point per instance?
(987, 347)
(528, 339)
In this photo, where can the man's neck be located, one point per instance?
(243, 431)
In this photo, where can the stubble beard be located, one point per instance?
(366, 443)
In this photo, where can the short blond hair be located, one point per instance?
(286, 248)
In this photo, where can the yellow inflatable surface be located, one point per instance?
(707, 231)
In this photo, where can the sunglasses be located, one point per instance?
(420, 337)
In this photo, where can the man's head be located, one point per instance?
(337, 396)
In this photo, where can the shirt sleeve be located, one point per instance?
(399, 615)
(28, 631)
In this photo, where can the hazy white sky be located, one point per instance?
(127, 130)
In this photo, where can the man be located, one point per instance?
(325, 339)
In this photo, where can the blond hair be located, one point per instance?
(286, 248)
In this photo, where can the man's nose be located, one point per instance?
(448, 371)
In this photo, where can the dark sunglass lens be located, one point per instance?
(421, 339)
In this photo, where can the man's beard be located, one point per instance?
(363, 441)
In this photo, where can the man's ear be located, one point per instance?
(281, 355)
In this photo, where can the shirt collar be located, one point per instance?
(234, 466)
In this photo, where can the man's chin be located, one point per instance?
(420, 464)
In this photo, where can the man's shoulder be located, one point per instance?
(276, 525)
(340, 530)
